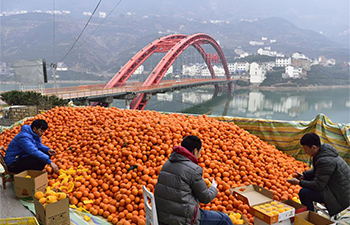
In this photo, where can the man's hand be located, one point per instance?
(213, 183)
(298, 176)
(54, 167)
(294, 181)
(51, 152)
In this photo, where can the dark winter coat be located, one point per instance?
(180, 188)
(26, 143)
(330, 175)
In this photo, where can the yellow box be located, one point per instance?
(19, 221)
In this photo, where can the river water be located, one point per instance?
(290, 105)
(277, 105)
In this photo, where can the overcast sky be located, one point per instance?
(331, 17)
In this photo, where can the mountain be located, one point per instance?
(107, 44)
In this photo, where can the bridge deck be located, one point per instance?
(95, 92)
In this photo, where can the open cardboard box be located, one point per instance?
(56, 213)
(297, 206)
(311, 218)
(26, 187)
(254, 195)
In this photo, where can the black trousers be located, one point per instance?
(26, 163)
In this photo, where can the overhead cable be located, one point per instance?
(98, 26)
(87, 23)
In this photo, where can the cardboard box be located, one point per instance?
(254, 196)
(26, 187)
(257, 221)
(311, 218)
(53, 213)
(297, 206)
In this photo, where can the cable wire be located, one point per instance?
(53, 31)
(87, 23)
(98, 26)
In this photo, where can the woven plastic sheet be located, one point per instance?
(285, 135)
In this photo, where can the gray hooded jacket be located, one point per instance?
(330, 175)
(179, 190)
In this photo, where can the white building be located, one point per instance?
(219, 71)
(170, 70)
(257, 73)
(139, 70)
(241, 67)
(266, 52)
(231, 67)
(253, 43)
(298, 55)
(270, 65)
(331, 62)
(205, 72)
(283, 62)
(238, 67)
(61, 66)
(293, 72)
(192, 70)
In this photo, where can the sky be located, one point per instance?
(330, 18)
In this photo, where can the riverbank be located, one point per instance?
(303, 88)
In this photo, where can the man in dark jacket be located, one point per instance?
(181, 187)
(26, 152)
(328, 181)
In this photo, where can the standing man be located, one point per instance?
(26, 152)
(181, 187)
(328, 181)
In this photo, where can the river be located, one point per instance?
(287, 105)
(290, 105)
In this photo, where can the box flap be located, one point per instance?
(35, 173)
(22, 174)
(318, 219)
(252, 194)
(311, 218)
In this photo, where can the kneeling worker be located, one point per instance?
(328, 181)
(181, 187)
(26, 152)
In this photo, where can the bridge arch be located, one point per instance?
(160, 45)
(174, 45)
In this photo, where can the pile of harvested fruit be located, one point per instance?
(106, 155)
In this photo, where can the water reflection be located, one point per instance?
(278, 105)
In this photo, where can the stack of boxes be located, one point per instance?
(27, 183)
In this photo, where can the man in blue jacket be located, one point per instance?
(26, 152)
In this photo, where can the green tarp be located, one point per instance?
(285, 135)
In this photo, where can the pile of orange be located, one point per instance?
(122, 150)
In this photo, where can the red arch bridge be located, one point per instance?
(139, 93)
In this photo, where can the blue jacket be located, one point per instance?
(26, 143)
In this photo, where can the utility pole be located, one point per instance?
(53, 67)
